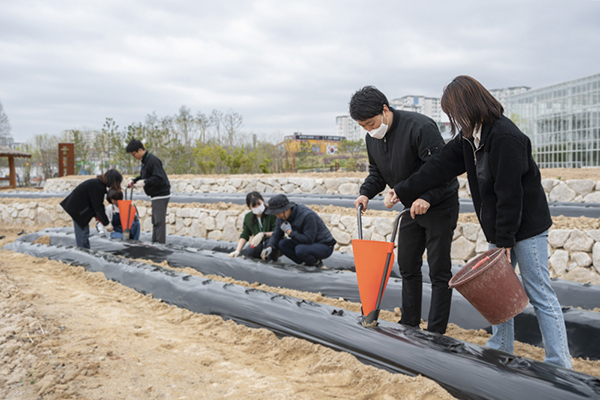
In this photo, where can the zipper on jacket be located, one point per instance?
(474, 151)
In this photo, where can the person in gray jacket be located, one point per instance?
(309, 240)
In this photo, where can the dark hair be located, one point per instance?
(112, 179)
(114, 195)
(468, 105)
(252, 199)
(367, 103)
(134, 145)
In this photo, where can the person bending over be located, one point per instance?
(86, 201)
(508, 197)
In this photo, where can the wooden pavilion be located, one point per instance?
(11, 154)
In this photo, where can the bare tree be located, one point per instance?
(203, 123)
(46, 153)
(5, 136)
(216, 121)
(185, 124)
(232, 122)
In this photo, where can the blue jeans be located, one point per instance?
(134, 232)
(532, 256)
(309, 254)
(82, 235)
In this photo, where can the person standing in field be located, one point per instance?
(398, 144)
(155, 182)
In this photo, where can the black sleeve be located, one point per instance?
(429, 143)
(508, 161)
(152, 175)
(97, 199)
(442, 167)
(374, 183)
(277, 234)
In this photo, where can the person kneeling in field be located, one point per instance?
(309, 240)
(112, 212)
(258, 225)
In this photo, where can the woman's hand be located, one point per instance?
(257, 239)
(508, 253)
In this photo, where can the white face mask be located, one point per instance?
(380, 132)
(259, 210)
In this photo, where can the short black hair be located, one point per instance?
(114, 195)
(134, 145)
(367, 103)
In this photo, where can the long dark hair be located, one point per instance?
(252, 199)
(468, 105)
(112, 179)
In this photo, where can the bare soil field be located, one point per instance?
(69, 334)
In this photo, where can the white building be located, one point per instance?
(502, 94)
(429, 106)
(349, 128)
(563, 122)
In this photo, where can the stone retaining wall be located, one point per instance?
(574, 254)
(576, 190)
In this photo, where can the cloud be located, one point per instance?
(285, 67)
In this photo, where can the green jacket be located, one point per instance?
(251, 229)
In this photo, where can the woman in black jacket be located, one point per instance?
(86, 201)
(508, 197)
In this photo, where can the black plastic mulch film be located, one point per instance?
(583, 327)
(466, 370)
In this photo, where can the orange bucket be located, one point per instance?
(373, 261)
(491, 285)
(369, 259)
(126, 213)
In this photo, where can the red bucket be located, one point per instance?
(491, 285)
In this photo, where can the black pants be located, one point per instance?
(433, 231)
(254, 252)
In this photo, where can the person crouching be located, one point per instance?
(309, 240)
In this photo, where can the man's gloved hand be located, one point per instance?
(286, 226)
(130, 183)
(233, 254)
(257, 239)
(101, 229)
(140, 184)
(266, 253)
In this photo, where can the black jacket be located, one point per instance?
(307, 228)
(412, 139)
(505, 182)
(156, 182)
(86, 201)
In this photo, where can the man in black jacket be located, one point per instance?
(398, 143)
(309, 238)
(156, 184)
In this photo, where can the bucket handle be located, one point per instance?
(396, 222)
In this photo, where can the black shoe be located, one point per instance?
(319, 264)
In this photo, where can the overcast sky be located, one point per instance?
(286, 66)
